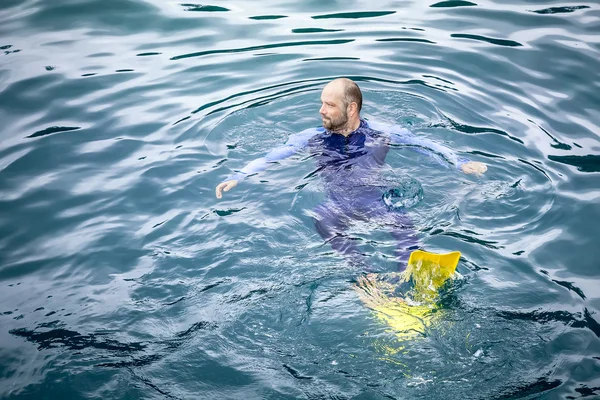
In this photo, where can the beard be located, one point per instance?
(337, 124)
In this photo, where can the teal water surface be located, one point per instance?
(122, 276)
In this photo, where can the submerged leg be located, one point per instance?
(334, 217)
(401, 228)
(331, 223)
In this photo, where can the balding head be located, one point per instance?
(342, 101)
(347, 90)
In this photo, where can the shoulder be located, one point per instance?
(376, 126)
(302, 137)
(393, 131)
(388, 129)
(377, 131)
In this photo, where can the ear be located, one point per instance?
(352, 109)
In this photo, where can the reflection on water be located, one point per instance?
(123, 277)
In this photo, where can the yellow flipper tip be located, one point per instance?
(429, 271)
(447, 261)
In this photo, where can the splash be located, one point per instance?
(407, 302)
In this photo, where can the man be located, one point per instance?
(350, 154)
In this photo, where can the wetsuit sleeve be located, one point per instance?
(440, 153)
(295, 143)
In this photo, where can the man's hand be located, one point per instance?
(225, 187)
(474, 167)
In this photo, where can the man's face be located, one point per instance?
(333, 113)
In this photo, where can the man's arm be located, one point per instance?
(295, 143)
(442, 154)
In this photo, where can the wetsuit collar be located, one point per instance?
(362, 125)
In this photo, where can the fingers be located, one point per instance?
(474, 167)
(218, 190)
(466, 168)
(479, 168)
(224, 187)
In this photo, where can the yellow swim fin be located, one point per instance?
(410, 316)
(449, 260)
(429, 271)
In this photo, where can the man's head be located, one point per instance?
(341, 103)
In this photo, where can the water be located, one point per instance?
(122, 276)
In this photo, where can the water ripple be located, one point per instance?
(453, 3)
(560, 10)
(263, 47)
(53, 129)
(499, 42)
(203, 8)
(354, 15)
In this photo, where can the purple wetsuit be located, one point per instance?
(351, 167)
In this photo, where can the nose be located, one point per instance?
(322, 109)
